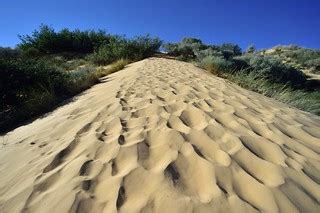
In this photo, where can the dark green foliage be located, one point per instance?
(133, 49)
(192, 48)
(46, 68)
(251, 49)
(226, 58)
(47, 41)
(309, 58)
(186, 49)
(273, 69)
(171, 48)
(230, 50)
(143, 47)
(9, 53)
(209, 51)
(216, 64)
(29, 87)
(314, 64)
(107, 48)
(264, 74)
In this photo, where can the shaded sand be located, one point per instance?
(164, 136)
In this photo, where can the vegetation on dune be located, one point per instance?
(262, 73)
(303, 58)
(47, 67)
(29, 87)
(47, 41)
(192, 48)
(273, 69)
(299, 98)
(130, 49)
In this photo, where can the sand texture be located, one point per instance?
(164, 136)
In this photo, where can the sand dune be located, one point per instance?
(164, 136)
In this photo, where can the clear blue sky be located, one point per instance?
(264, 23)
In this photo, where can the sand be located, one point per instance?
(164, 136)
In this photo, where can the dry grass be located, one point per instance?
(114, 67)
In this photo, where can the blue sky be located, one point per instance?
(264, 23)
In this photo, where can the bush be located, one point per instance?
(303, 56)
(47, 41)
(192, 48)
(143, 46)
(107, 54)
(314, 64)
(108, 48)
(24, 84)
(210, 51)
(216, 65)
(8, 53)
(48, 67)
(186, 49)
(171, 49)
(81, 79)
(251, 49)
(134, 49)
(230, 50)
(29, 87)
(273, 69)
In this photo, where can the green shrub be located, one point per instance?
(106, 54)
(273, 69)
(9, 53)
(210, 51)
(29, 87)
(230, 50)
(303, 56)
(186, 49)
(108, 48)
(81, 79)
(134, 49)
(192, 48)
(22, 82)
(47, 41)
(314, 65)
(251, 49)
(216, 65)
(171, 49)
(142, 47)
(48, 67)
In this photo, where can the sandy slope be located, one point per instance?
(164, 136)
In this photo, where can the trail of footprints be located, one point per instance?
(176, 137)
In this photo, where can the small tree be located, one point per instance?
(230, 50)
(251, 49)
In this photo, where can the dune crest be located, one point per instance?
(164, 136)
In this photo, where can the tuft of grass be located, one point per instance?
(118, 65)
(81, 79)
(114, 67)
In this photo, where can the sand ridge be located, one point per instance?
(164, 136)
